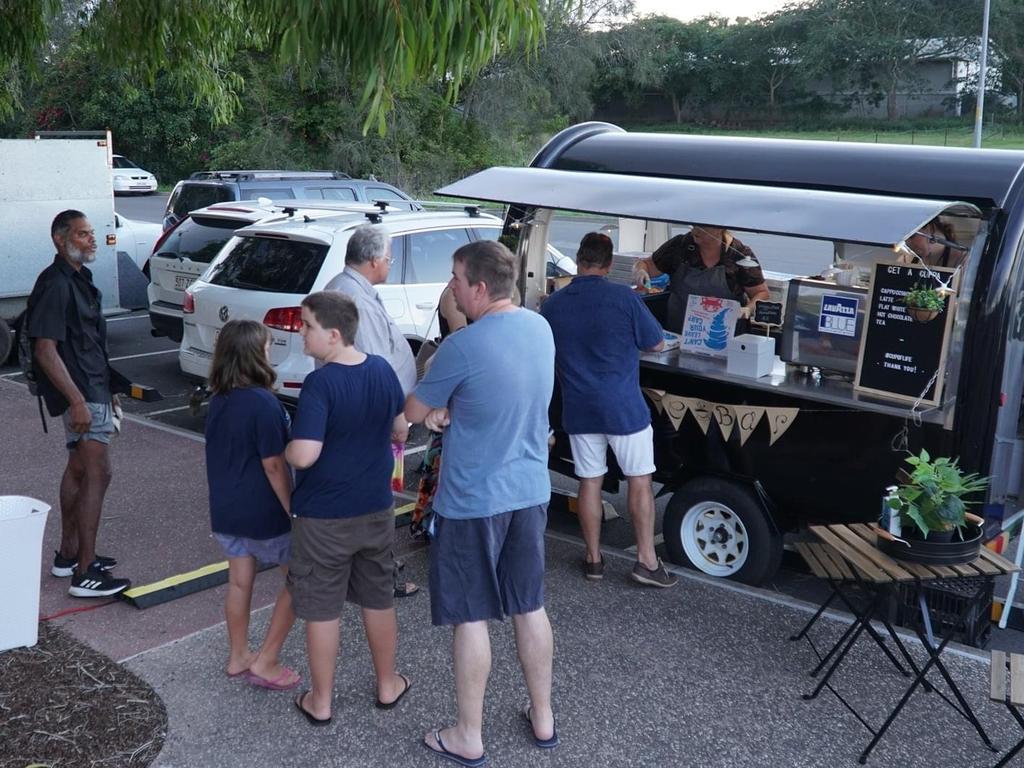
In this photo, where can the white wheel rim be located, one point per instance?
(714, 538)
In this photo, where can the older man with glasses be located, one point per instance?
(367, 263)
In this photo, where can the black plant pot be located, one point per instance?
(933, 551)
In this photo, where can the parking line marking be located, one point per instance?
(143, 354)
(169, 410)
(127, 317)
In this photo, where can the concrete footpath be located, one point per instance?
(699, 675)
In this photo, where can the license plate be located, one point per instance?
(181, 282)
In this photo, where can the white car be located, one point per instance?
(129, 178)
(265, 271)
(136, 238)
(187, 248)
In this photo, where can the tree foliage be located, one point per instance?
(385, 46)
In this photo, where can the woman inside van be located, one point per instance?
(707, 261)
(935, 244)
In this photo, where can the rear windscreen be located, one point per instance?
(192, 197)
(270, 264)
(199, 239)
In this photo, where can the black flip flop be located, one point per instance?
(403, 589)
(443, 751)
(392, 704)
(312, 720)
(541, 743)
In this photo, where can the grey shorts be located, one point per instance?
(274, 551)
(351, 558)
(101, 429)
(487, 567)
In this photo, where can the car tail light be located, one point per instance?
(166, 234)
(189, 305)
(288, 319)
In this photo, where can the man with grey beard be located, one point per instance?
(65, 322)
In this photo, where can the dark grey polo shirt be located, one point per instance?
(65, 306)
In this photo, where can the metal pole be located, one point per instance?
(979, 108)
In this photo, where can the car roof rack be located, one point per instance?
(265, 175)
(473, 209)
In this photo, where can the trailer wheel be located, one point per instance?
(6, 341)
(718, 527)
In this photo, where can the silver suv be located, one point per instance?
(205, 188)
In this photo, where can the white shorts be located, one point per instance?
(635, 453)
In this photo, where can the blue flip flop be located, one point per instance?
(541, 743)
(469, 762)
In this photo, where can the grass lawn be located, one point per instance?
(997, 137)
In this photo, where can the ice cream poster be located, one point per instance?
(709, 324)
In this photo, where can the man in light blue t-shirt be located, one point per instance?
(489, 387)
(599, 329)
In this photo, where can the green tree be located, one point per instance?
(1007, 30)
(771, 50)
(384, 46)
(687, 63)
(870, 48)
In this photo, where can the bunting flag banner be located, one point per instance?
(701, 411)
(655, 396)
(779, 420)
(747, 419)
(675, 409)
(726, 419)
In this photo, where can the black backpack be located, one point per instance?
(26, 361)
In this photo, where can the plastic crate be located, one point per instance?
(946, 600)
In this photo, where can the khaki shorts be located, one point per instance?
(338, 560)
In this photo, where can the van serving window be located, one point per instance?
(855, 218)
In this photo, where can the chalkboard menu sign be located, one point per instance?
(768, 312)
(899, 356)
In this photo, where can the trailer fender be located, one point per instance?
(723, 527)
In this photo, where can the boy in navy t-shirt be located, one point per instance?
(349, 412)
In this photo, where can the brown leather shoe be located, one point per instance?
(593, 571)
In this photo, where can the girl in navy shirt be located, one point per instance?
(250, 490)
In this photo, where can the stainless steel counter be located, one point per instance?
(789, 381)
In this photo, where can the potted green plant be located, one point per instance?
(931, 502)
(924, 303)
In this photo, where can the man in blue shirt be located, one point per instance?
(489, 386)
(599, 328)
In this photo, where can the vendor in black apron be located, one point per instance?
(705, 262)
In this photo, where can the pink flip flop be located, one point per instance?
(287, 680)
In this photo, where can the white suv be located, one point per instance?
(185, 250)
(266, 270)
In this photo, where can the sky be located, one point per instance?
(692, 9)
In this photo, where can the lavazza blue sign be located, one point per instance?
(838, 315)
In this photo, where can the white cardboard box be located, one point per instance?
(750, 355)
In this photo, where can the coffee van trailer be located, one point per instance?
(829, 428)
(39, 178)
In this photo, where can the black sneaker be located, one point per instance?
(96, 584)
(65, 566)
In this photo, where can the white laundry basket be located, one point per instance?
(22, 521)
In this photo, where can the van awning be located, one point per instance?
(869, 219)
